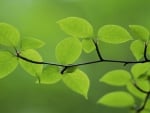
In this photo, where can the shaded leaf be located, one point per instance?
(9, 35)
(137, 48)
(113, 34)
(132, 89)
(77, 27)
(88, 45)
(68, 50)
(8, 63)
(117, 99)
(140, 69)
(116, 78)
(77, 81)
(31, 68)
(50, 75)
(31, 43)
(140, 32)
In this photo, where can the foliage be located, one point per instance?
(82, 38)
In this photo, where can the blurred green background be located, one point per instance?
(18, 91)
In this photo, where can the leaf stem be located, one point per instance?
(97, 50)
(144, 104)
(145, 52)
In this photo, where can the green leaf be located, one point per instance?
(8, 63)
(9, 35)
(113, 34)
(31, 68)
(77, 27)
(137, 48)
(132, 89)
(68, 50)
(116, 78)
(31, 43)
(117, 99)
(77, 81)
(140, 69)
(145, 111)
(50, 75)
(140, 32)
(88, 45)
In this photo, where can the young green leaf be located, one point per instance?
(117, 99)
(8, 63)
(50, 75)
(68, 50)
(113, 34)
(137, 48)
(140, 69)
(132, 89)
(140, 32)
(116, 78)
(145, 111)
(9, 35)
(77, 81)
(88, 45)
(31, 68)
(76, 27)
(31, 43)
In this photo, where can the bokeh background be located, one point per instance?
(18, 91)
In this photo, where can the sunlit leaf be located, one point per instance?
(31, 43)
(131, 88)
(148, 49)
(77, 81)
(8, 63)
(50, 75)
(145, 111)
(9, 35)
(88, 45)
(116, 78)
(77, 27)
(117, 99)
(113, 34)
(68, 50)
(31, 68)
(140, 69)
(137, 48)
(140, 32)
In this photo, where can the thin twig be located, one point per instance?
(145, 52)
(97, 50)
(144, 104)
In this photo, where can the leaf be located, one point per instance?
(88, 45)
(31, 43)
(68, 50)
(9, 35)
(113, 34)
(137, 48)
(140, 32)
(116, 78)
(145, 111)
(8, 63)
(77, 81)
(117, 99)
(76, 27)
(132, 89)
(50, 75)
(140, 69)
(31, 68)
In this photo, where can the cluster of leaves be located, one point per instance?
(80, 38)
